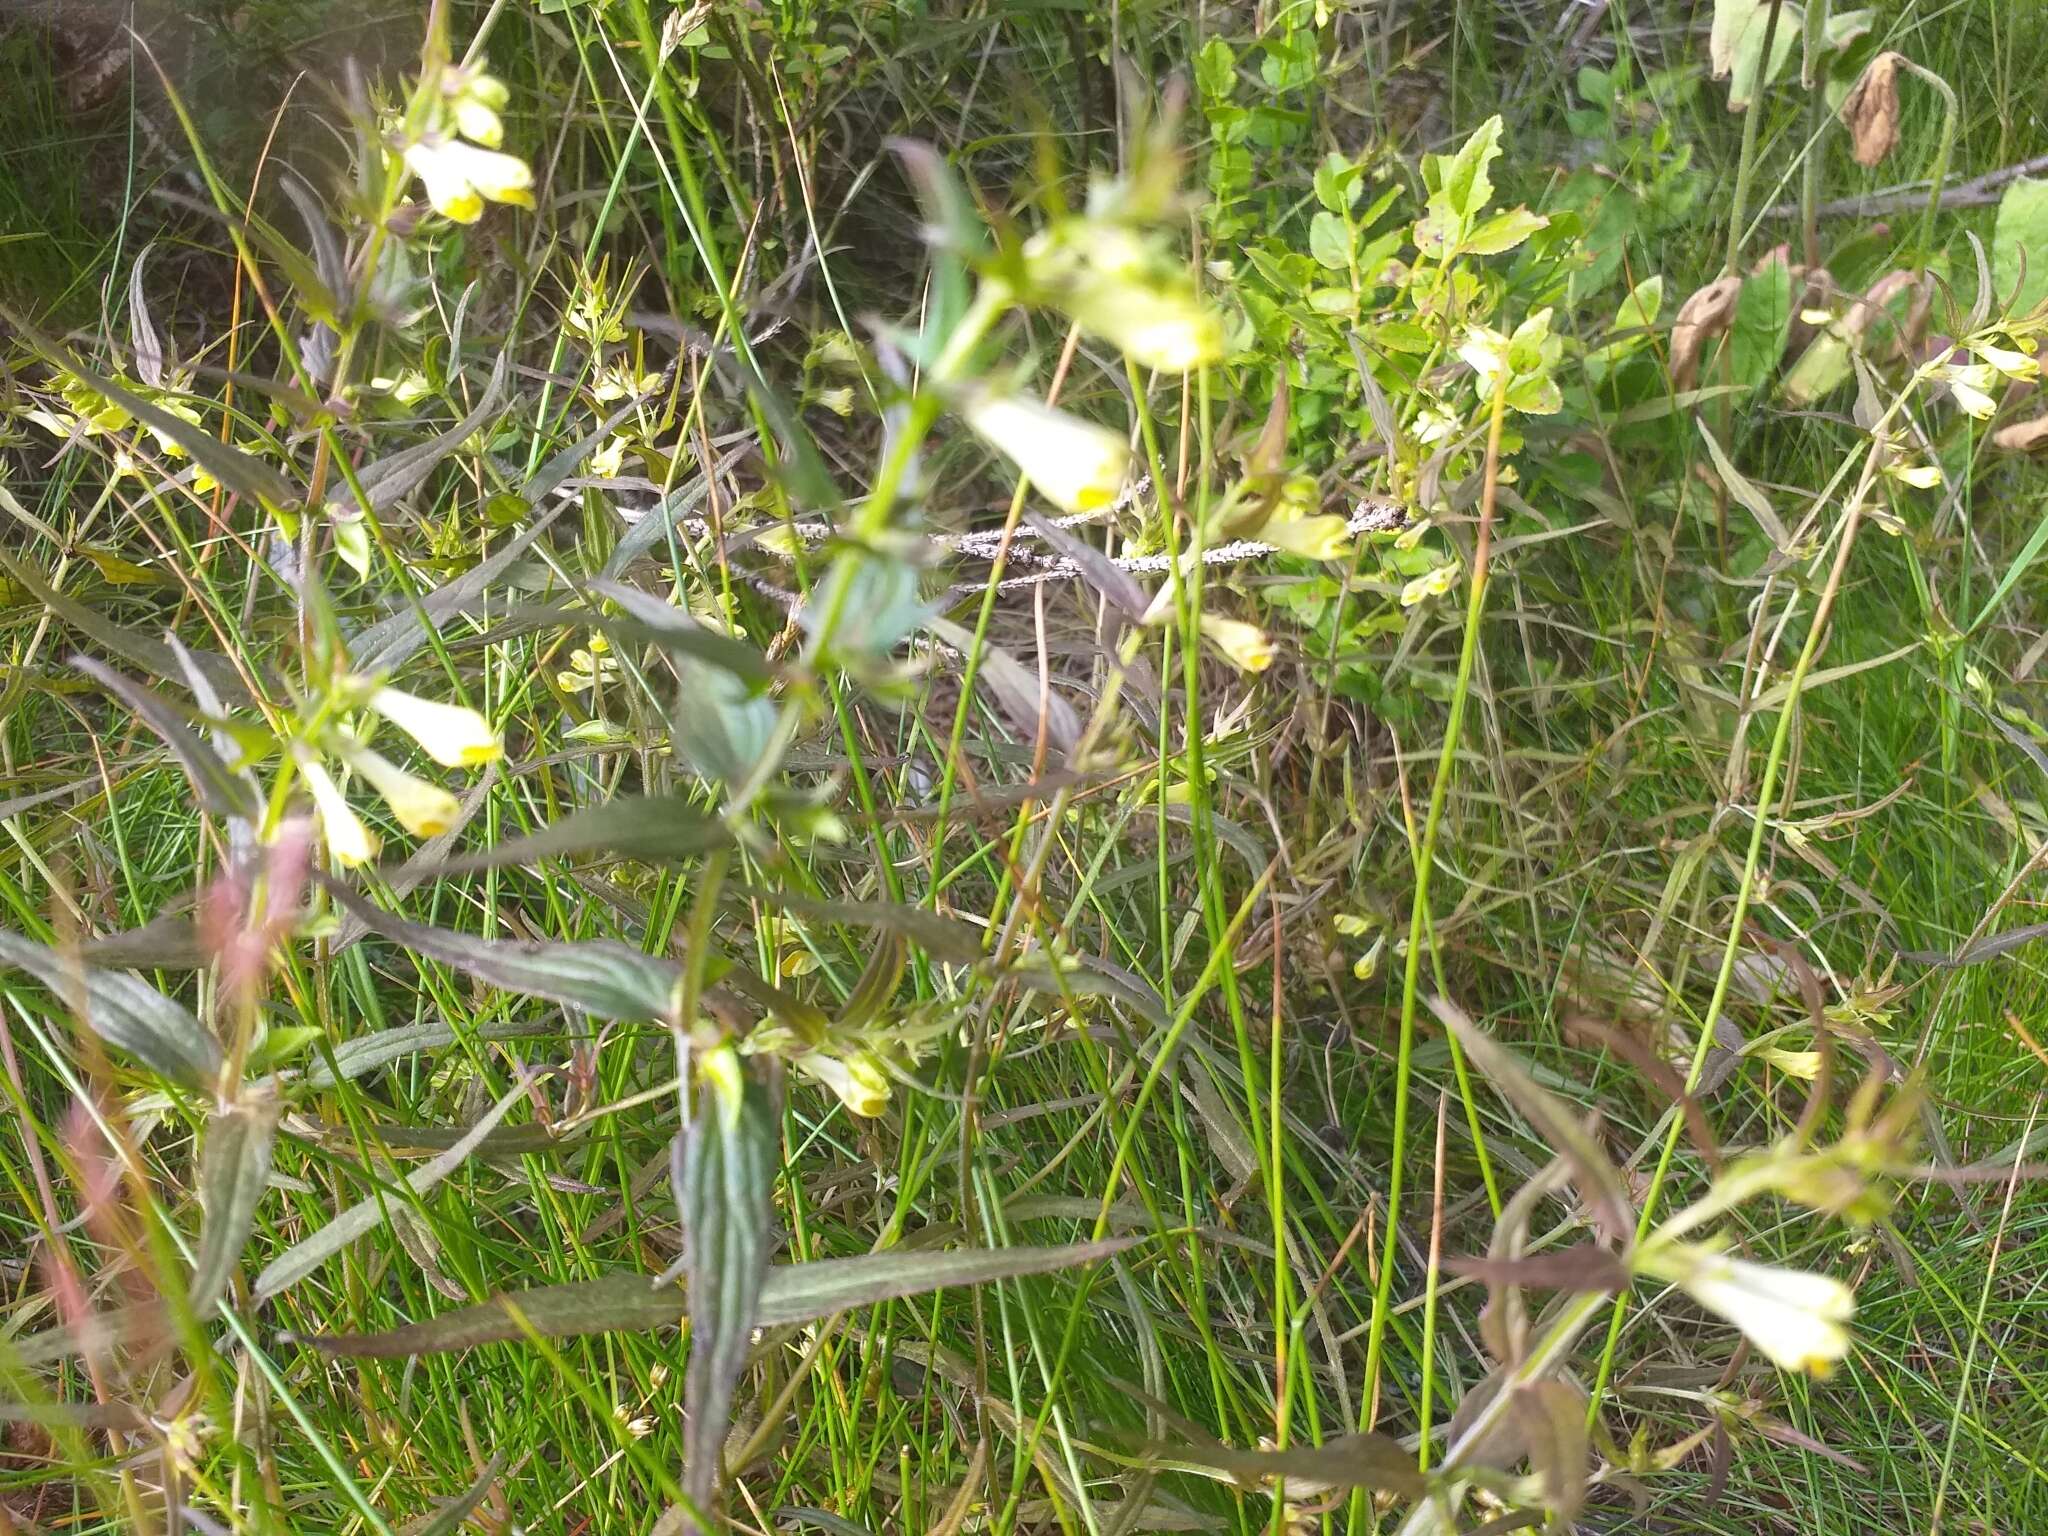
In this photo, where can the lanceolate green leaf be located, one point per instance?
(643, 826)
(309, 1253)
(730, 1154)
(123, 1011)
(234, 1168)
(236, 470)
(791, 1293)
(220, 790)
(600, 976)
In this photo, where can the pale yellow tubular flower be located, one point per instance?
(1324, 537)
(1970, 384)
(1801, 1064)
(1169, 329)
(1430, 584)
(1248, 647)
(478, 122)
(448, 190)
(1922, 477)
(857, 1078)
(2010, 361)
(1799, 1319)
(451, 735)
(460, 177)
(351, 843)
(424, 809)
(1075, 464)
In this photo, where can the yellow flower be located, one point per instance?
(451, 735)
(1168, 328)
(422, 808)
(350, 842)
(2011, 362)
(1797, 1318)
(857, 1078)
(608, 459)
(476, 110)
(1077, 465)
(1430, 584)
(1970, 384)
(460, 177)
(1325, 537)
(1248, 647)
(1800, 1064)
(1922, 477)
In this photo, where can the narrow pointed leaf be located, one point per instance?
(730, 1153)
(221, 791)
(232, 467)
(397, 475)
(1600, 1183)
(233, 1172)
(123, 1011)
(792, 1293)
(449, 1517)
(645, 827)
(600, 976)
(309, 1253)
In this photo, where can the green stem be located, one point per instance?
(1751, 115)
(1439, 794)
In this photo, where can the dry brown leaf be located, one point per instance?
(2023, 436)
(1704, 315)
(1872, 110)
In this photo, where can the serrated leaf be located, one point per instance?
(309, 1253)
(600, 976)
(729, 1159)
(123, 1011)
(792, 1293)
(234, 1170)
(220, 791)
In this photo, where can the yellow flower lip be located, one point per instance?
(460, 177)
